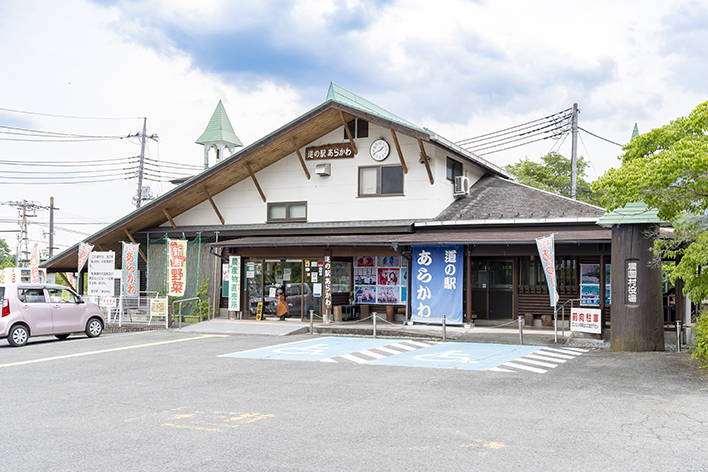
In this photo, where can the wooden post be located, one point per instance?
(637, 319)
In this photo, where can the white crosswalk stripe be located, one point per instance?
(366, 355)
(547, 357)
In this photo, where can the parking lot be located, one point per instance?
(171, 400)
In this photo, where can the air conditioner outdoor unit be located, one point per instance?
(462, 186)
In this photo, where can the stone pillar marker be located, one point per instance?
(637, 320)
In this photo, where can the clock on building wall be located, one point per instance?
(379, 150)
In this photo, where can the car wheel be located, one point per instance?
(18, 335)
(94, 328)
(61, 336)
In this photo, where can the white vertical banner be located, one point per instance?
(234, 283)
(176, 267)
(547, 252)
(84, 251)
(34, 264)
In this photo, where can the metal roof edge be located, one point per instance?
(469, 155)
(520, 221)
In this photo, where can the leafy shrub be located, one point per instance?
(700, 346)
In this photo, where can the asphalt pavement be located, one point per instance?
(508, 334)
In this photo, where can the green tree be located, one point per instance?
(7, 259)
(553, 174)
(667, 168)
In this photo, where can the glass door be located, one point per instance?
(492, 289)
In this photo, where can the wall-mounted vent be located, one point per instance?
(323, 169)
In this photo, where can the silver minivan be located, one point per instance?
(43, 309)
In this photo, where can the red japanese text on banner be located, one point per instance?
(129, 276)
(176, 267)
(84, 251)
(546, 250)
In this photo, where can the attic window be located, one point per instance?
(454, 169)
(358, 128)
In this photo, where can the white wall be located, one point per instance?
(334, 198)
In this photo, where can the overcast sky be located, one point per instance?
(459, 68)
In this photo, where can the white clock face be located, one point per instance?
(379, 150)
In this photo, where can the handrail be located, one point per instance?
(184, 300)
(571, 300)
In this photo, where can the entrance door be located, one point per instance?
(267, 278)
(493, 289)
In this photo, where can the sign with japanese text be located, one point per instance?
(129, 275)
(329, 151)
(436, 289)
(546, 250)
(585, 320)
(84, 251)
(632, 273)
(176, 267)
(34, 264)
(328, 283)
(158, 307)
(235, 283)
(101, 267)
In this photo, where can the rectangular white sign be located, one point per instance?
(100, 277)
(586, 320)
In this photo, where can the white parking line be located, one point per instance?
(349, 357)
(553, 354)
(524, 367)
(371, 354)
(403, 346)
(545, 358)
(562, 351)
(81, 354)
(542, 364)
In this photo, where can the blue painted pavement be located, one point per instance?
(394, 352)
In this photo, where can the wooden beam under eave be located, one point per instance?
(398, 149)
(299, 156)
(213, 205)
(169, 218)
(130, 236)
(349, 133)
(425, 161)
(255, 181)
(61, 274)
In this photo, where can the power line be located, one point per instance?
(600, 137)
(553, 126)
(68, 116)
(54, 134)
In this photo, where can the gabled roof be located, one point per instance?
(494, 198)
(219, 129)
(311, 126)
(345, 97)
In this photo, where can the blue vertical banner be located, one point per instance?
(436, 284)
(547, 252)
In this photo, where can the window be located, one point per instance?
(31, 295)
(289, 211)
(358, 128)
(532, 271)
(454, 169)
(378, 181)
(62, 296)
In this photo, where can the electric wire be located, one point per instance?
(69, 116)
(600, 137)
(554, 126)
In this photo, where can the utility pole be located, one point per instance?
(142, 165)
(574, 155)
(26, 210)
(51, 226)
(143, 138)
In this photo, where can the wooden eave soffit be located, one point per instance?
(169, 218)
